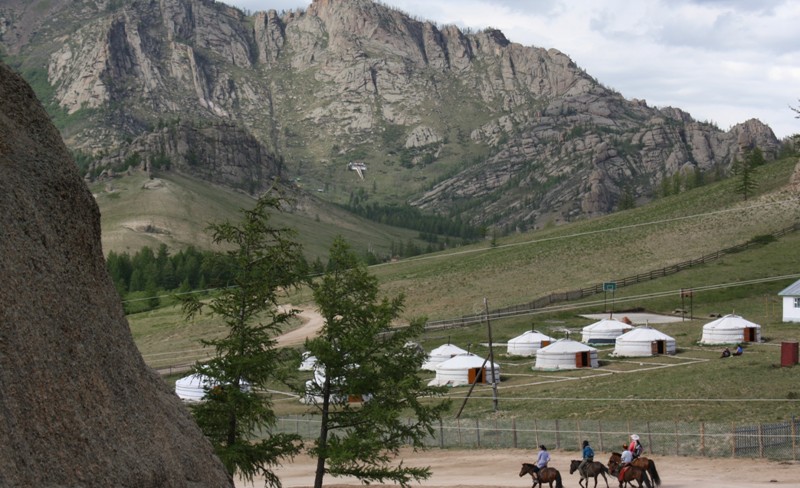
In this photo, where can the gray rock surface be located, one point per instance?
(78, 406)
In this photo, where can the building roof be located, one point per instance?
(730, 321)
(530, 336)
(644, 334)
(465, 361)
(607, 325)
(565, 345)
(792, 290)
(447, 350)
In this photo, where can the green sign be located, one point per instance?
(609, 286)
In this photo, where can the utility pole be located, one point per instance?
(491, 355)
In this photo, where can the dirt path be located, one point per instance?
(312, 322)
(500, 468)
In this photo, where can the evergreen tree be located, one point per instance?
(263, 260)
(363, 356)
(745, 178)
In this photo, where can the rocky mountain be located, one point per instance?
(454, 122)
(79, 406)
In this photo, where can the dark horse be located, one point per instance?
(630, 473)
(544, 475)
(594, 470)
(647, 464)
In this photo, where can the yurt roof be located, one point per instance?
(730, 321)
(607, 324)
(644, 334)
(465, 361)
(566, 345)
(196, 380)
(531, 336)
(447, 350)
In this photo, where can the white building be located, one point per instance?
(442, 354)
(528, 343)
(605, 331)
(566, 354)
(308, 363)
(642, 342)
(464, 370)
(193, 388)
(791, 302)
(730, 329)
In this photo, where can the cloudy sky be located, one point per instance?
(723, 61)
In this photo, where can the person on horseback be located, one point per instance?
(543, 459)
(635, 446)
(588, 457)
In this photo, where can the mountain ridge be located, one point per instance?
(465, 124)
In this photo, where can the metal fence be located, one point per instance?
(779, 440)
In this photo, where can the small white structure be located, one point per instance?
(566, 354)
(642, 342)
(730, 329)
(442, 354)
(193, 388)
(314, 387)
(309, 362)
(605, 331)
(791, 302)
(464, 370)
(528, 343)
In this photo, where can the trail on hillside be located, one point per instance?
(312, 323)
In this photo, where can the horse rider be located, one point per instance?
(588, 457)
(626, 459)
(543, 459)
(635, 446)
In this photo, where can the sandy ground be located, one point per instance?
(500, 469)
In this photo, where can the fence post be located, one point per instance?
(649, 439)
(478, 432)
(677, 441)
(702, 438)
(578, 431)
(733, 439)
(558, 437)
(761, 440)
(794, 439)
(460, 440)
(536, 431)
(600, 433)
(514, 431)
(441, 434)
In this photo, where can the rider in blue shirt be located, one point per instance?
(588, 457)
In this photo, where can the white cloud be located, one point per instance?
(720, 60)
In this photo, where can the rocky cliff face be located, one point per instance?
(465, 123)
(79, 406)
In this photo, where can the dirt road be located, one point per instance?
(500, 469)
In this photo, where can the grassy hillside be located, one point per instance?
(175, 210)
(523, 267)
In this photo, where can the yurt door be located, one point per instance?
(582, 359)
(476, 376)
(750, 334)
(544, 344)
(657, 347)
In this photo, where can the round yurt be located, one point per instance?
(642, 342)
(308, 363)
(528, 343)
(441, 354)
(730, 329)
(566, 354)
(464, 370)
(605, 331)
(193, 388)
(314, 387)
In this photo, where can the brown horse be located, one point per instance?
(630, 473)
(647, 464)
(540, 476)
(594, 470)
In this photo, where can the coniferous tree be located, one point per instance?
(263, 260)
(362, 356)
(745, 178)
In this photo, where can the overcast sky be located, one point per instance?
(723, 61)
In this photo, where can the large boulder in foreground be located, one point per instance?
(78, 406)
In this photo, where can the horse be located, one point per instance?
(629, 474)
(647, 464)
(593, 469)
(544, 475)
